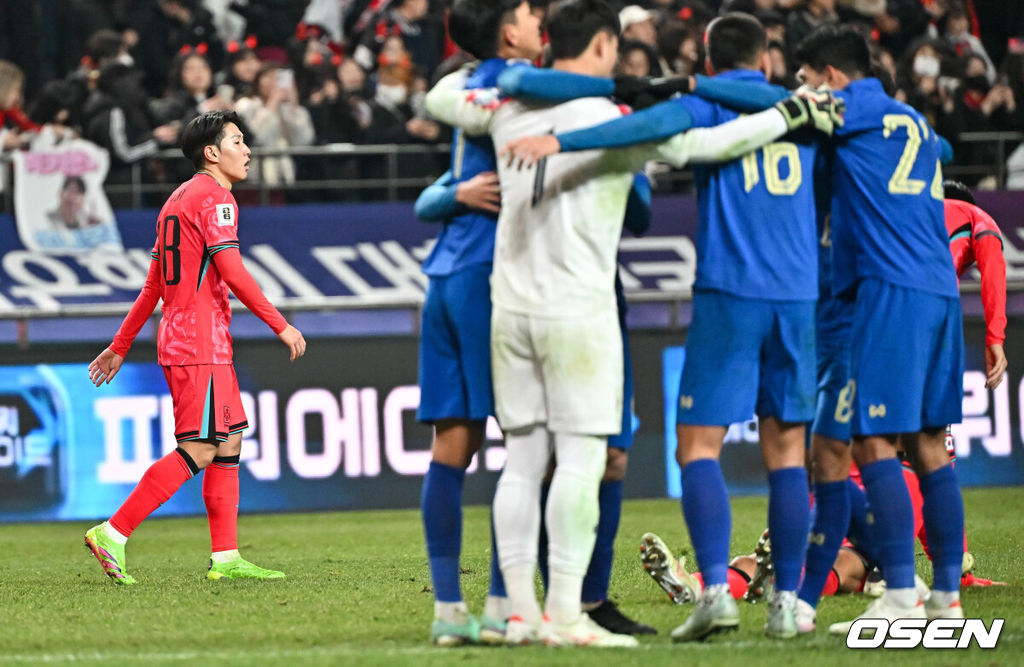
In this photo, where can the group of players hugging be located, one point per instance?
(824, 294)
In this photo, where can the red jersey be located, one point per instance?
(974, 238)
(195, 261)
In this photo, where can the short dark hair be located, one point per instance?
(573, 24)
(475, 25)
(840, 46)
(204, 130)
(735, 40)
(956, 190)
(77, 181)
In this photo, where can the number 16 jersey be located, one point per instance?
(199, 220)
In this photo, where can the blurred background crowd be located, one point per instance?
(128, 74)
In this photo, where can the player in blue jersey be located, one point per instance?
(751, 344)
(454, 366)
(890, 249)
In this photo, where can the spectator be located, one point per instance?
(58, 106)
(637, 24)
(902, 22)
(780, 72)
(803, 21)
(922, 85)
(240, 67)
(116, 118)
(958, 36)
(272, 23)
(338, 105)
(393, 122)
(637, 59)
(680, 49)
(277, 120)
(422, 38)
(163, 27)
(774, 25)
(189, 90)
(989, 107)
(16, 129)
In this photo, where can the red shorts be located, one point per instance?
(207, 405)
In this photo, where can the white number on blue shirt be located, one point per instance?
(772, 156)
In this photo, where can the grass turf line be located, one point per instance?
(358, 590)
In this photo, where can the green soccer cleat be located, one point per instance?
(240, 569)
(492, 631)
(446, 633)
(109, 553)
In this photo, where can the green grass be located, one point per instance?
(358, 592)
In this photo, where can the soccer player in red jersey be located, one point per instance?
(195, 261)
(974, 238)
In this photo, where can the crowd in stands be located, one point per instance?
(128, 75)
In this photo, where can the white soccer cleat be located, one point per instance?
(583, 632)
(668, 571)
(806, 617)
(880, 608)
(937, 610)
(519, 632)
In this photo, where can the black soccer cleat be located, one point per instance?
(607, 615)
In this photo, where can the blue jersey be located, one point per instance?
(756, 235)
(467, 239)
(887, 215)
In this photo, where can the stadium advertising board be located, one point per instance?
(337, 429)
(364, 253)
(988, 442)
(367, 254)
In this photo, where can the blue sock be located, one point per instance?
(831, 519)
(497, 588)
(595, 583)
(441, 506)
(789, 509)
(893, 525)
(944, 523)
(708, 518)
(859, 532)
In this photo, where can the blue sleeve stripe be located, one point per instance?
(654, 124)
(551, 85)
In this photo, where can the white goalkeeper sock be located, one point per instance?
(571, 518)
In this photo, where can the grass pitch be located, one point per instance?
(358, 592)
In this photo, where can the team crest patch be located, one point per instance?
(225, 215)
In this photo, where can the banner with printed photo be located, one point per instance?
(59, 203)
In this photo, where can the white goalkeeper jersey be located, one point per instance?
(561, 220)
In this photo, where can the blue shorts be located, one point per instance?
(834, 407)
(624, 440)
(455, 347)
(906, 358)
(745, 357)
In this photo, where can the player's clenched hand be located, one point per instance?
(104, 367)
(817, 108)
(292, 337)
(481, 192)
(526, 151)
(995, 365)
